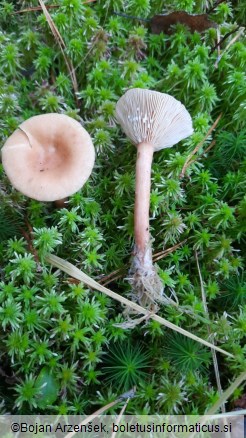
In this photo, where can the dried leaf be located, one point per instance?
(196, 23)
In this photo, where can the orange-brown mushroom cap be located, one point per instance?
(49, 157)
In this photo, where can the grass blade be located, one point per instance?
(227, 393)
(79, 275)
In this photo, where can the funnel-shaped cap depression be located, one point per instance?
(49, 157)
(153, 117)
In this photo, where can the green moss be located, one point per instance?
(48, 321)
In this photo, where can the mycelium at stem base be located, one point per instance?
(143, 276)
(146, 283)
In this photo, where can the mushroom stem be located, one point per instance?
(153, 121)
(144, 278)
(61, 203)
(142, 200)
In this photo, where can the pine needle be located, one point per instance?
(39, 8)
(34, 9)
(215, 361)
(117, 422)
(62, 46)
(94, 415)
(118, 273)
(188, 160)
(130, 394)
(236, 37)
(204, 153)
(76, 273)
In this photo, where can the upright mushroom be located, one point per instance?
(152, 121)
(48, 157)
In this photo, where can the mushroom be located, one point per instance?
(48, 157)
(152, 121)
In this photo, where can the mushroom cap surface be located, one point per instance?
(152, 117)
(48, 157)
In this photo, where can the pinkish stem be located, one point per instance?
(144, 279)
(142, 203)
